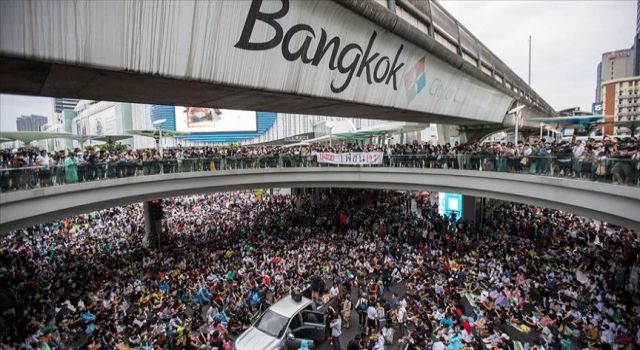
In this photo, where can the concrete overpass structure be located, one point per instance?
(403, 60)
(613, 203)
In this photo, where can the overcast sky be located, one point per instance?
(569, 38)
(13, 106)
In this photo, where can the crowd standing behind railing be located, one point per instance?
(610, 160)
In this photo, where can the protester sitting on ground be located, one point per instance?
(540, 275)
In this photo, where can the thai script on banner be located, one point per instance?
(350, 158)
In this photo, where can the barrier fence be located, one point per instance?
(608, 170)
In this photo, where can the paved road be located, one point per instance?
(349, 334)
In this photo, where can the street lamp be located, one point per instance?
(330, 125)
(159, 123)
(517, 112)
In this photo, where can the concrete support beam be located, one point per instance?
(152, 227)
(471, 209)
(445, 132)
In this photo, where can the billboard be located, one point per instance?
(450, 204)
(314, 49)
(203, 119)
(596, 108)
(103, 122)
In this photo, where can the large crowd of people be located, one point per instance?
(610, 159)
(401, 274)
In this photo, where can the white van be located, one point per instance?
(287, 324)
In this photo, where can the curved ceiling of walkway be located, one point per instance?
(613, 203)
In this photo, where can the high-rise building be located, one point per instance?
(620, 64)
(30, 122)
(64, 103)
(621, 99)
(599, 82)
(615, 65)
(636, 42)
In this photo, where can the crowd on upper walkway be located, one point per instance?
(406, 277)
(611, 160)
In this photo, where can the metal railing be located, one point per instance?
(610, 170)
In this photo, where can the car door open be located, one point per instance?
(314, 322)
(299, 336)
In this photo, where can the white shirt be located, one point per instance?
(381, 314)
(439, 346)
(401, 312)
(372, 314)
(467, 337)
(607, 337)
(336, 327)
(43, 161)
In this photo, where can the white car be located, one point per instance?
(287, 324)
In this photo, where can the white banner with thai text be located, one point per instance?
(350, 158)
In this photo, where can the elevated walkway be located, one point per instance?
(342, 58)
(615, 204)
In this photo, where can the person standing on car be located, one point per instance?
(315, 287)
(336, 330)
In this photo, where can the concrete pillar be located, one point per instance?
(152, 224)
(299, 191)
(445, 132)
(465, 136)
(472, 209)
(315, 196)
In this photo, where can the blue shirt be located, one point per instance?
(447, 321)
(455, 342)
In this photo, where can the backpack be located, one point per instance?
(363, 306)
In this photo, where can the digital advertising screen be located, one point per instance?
(204, 119)
(104, 122)
(450, 205)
